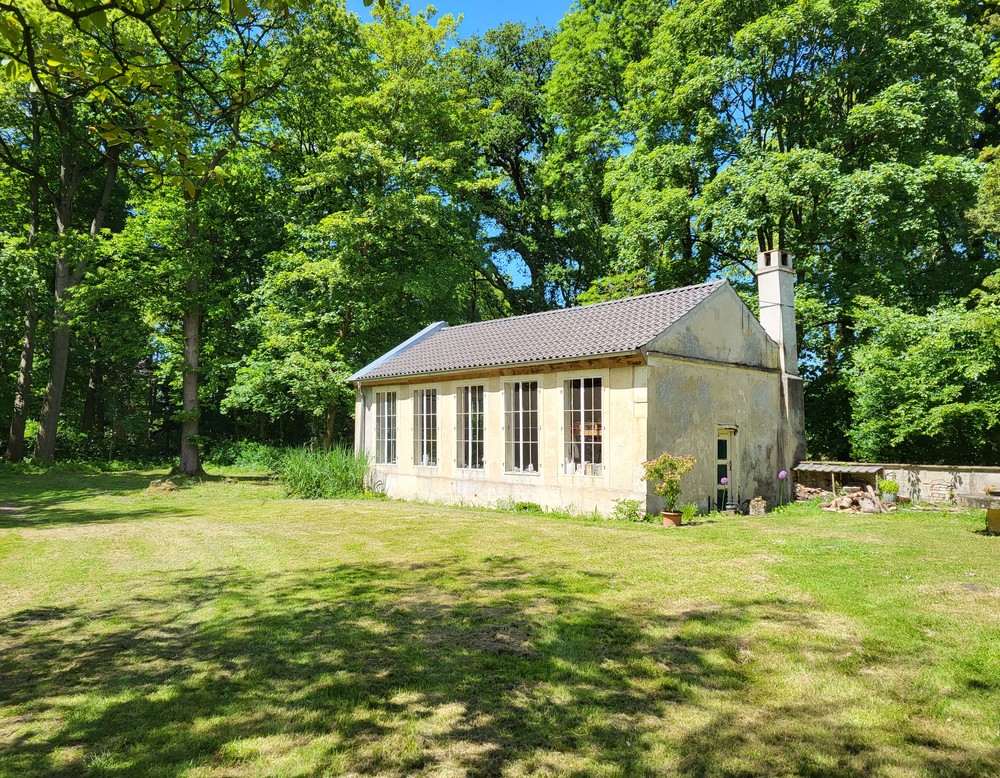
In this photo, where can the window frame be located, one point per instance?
(515, 425)
(470, 437)
(425, 427)
(386, 428)
(578, 415)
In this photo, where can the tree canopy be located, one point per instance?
(213, 211)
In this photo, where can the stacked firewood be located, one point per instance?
(806, 493)
(863, 500)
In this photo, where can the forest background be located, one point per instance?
(213, 211)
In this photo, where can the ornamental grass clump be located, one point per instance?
(665, 473)
(313, 475)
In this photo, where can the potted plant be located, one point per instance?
(889, 489)
(665, 473)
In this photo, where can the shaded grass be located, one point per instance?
(222, 630)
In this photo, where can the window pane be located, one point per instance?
(385, 427)
(723, 452)
(425, 427)
(470, 427)
(583, 427)
(521, 423)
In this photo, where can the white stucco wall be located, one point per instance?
(624, 444)
(715, 368)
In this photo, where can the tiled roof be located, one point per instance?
(612, 327)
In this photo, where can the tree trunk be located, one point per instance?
(92, 399)
(48, 422)
(190, 455)
(331, 418)
(15, 443)
(22, 396)
(69, 178)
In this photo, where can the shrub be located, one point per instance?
(887, 486)
(339, 472)
(628, 510)
(245, 454)
(665, 474)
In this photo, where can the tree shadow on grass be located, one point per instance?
(59, 499)
(484, 666)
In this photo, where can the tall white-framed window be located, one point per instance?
(385, 428)
(471, 427)
(425, 432)
(521, 426)
(583, 427)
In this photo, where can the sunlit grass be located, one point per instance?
(222, 630)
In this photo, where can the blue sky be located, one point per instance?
(480, 16)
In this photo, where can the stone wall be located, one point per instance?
(920, 483)
(940, 483)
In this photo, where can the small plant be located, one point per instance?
(628, 510)
(688, 512)
(782, 477)
(888, 486)
(665, 473)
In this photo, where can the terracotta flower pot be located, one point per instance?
(671, 518)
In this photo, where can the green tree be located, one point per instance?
(540, 254)
(842, 133)
(383, 240)
(926, 388)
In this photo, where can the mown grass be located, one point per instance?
(222, 630)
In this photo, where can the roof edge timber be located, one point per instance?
(413, 340)
(499, 369)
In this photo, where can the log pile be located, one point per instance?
(806, 493)
(858, 501)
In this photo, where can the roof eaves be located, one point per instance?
(385, 379)
(425, 333)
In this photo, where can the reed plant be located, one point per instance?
(312, 474)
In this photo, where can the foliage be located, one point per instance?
(927, 388)
(688, 512)
(843, 133)
(302, 191)
(888, 486)
(628, 510)
(245, 455)
(314, 475)
(665, 472)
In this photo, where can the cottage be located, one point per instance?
(561, 408)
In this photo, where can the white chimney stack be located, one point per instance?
(776, 289)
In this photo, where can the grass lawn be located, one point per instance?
(224, 631)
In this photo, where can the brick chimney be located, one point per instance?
(776, 291)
